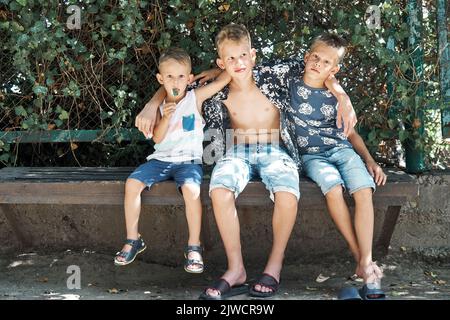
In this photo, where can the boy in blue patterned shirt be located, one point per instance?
(329, 156)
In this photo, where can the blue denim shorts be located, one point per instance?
(338, 166)
(244, 162)
(154, 171)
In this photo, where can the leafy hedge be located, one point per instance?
(100, 76)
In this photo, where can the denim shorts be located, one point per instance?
(338, 166)
(244, 162)
(154, 171)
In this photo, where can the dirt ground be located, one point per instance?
(44, 276)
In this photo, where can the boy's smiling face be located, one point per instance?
(174, 76)
(321, 61)
(236, 57)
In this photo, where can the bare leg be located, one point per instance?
(364, 223)
(191, 195)
(341, 216)
(284, 216)
(132, 204)
(228, 223)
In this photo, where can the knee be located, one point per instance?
(191, 192)
(363, 194)
(335, 193)
(133, 186)
(222, 194)
(286, 201)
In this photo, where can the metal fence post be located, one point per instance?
(414, 153)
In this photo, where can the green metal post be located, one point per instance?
(444, 62)
(414, 154)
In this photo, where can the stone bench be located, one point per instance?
(105, 186)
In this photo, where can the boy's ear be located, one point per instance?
(306, 57)
(253, 54)
(220, 63)
(159, 78)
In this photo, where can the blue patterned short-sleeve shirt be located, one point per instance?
(272, 79)
(312, 115)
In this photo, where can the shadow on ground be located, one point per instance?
(42, 276)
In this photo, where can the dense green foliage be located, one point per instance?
(100, 76)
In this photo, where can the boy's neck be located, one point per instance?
(313, 83)
(242, 84)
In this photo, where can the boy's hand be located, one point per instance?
(345, 113)
(225, 76)
(377, 173)
(168, 110)
(207, 75)
(146, 119)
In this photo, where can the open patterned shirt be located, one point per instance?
(272, 78)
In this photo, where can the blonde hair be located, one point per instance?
(234, 32)
(176, 54)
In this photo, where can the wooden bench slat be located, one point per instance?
(115, 173)
(112, 192)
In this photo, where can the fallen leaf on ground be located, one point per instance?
(321, 278)
(399, 293)
(113, 291)
(430, 273)
(439, 282)
(311, 288)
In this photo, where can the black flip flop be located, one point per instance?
(267, 281)
(226, 291)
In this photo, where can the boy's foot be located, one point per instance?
(233, 279)
(266, 286)
(225, 289)
(359, 274)
(129, 251)
(371, 290)
(372, 273)
(194, 259)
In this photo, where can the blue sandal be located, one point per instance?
(193, 262)
(137, 246)
(372, 291)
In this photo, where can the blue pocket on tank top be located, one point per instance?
(189, 122)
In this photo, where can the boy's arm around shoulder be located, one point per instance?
(360, 147)
(210, 89)
(345, 112)
(162, 123)
(146, 119)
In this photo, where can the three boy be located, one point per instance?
(252, 105)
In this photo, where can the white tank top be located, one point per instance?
(184, 138)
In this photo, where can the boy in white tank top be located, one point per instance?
(178, 138)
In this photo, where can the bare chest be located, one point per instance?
(253, 108)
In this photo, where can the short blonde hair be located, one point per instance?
(234, 32)
(332, 40)
(176, 54)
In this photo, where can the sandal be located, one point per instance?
(137, 246)
(372, 290)
(225, 290)
(267, 281)
(189, 263)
